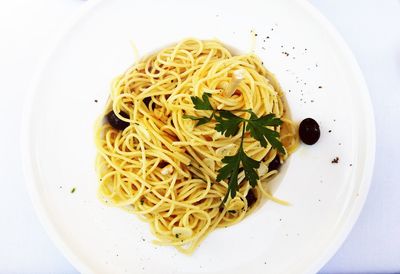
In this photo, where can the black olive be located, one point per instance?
(309, 131)
(251, 198)
(275, 163)
(147, 101)
(117, 123)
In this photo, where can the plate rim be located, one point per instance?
(347, 222)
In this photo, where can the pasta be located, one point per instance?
(162, 166)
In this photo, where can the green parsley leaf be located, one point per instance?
(228, 123)
(200, 120)
(202, 104)
(250, 167)
(73, 190)
(259, 131)
(266, 120)
(230, 171)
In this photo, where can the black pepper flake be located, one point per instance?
(263, 48)
(330, 131)
(351, 165)
(312, 101)
(95, 101)
(285, 53)
(267, 37)
(255, 34)
(319, 86)
(340, 144)
(335, 160)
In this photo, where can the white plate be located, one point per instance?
(326, 198)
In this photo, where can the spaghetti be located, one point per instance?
(161, 166)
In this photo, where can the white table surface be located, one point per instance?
(370, 27)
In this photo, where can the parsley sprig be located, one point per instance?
(229, 124)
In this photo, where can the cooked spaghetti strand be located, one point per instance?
(163, 167)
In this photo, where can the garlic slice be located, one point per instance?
(143, 131)
(223, 151)
(167, 170)
(263, 169)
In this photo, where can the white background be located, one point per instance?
(370, 27)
